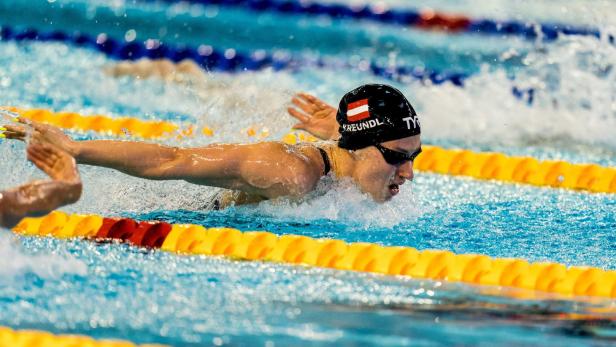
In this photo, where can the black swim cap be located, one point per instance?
(375, 113)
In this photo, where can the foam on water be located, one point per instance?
(588, 12)
(15, 264)
(575, 100)
(344, 203)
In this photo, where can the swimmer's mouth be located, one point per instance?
(394, 189)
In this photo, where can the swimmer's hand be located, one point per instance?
(314, 116)
(40, 133)
(56, 163)
(38, 198)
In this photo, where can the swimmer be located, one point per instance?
(377, 133)
(38, 198)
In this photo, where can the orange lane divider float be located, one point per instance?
(125, 126)
(29, 338)
(329, 253)
(527, 170)
(486, 165)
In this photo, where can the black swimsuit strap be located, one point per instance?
(325, 161)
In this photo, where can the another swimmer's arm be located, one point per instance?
(41, 197)
(36, 199)
(163, 68)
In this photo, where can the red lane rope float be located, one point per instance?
(429, 19)
(330, 253)
(38, 338)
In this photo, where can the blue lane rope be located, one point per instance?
(210, 58)
(217, 60)
(407, 17)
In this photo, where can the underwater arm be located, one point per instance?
(162, 68)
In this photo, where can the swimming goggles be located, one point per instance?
(396, 158)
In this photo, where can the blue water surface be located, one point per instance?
(117, 291)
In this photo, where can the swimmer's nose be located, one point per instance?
(406, 171)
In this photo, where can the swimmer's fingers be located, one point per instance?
(56, 163)
(37, 155)
(43, 150)
(308, 98)
(15, 132)
(300, 116)
(303, 105)
(46, 150)
(311, 99)
(36, 125)
(45, 157)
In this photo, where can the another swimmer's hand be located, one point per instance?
(315, 116)
(40, 133)
(55, 162)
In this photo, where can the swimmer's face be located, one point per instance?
(380, 179)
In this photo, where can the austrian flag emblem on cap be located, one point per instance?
(358, 110)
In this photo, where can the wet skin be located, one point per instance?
(41, 197)
(268, 169)
(380, 179)
(265, 170)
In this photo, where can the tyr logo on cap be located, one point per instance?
(413, 119)
(358, 110)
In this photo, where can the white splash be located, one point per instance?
(15, 264)
(575, 100)
(343, 202)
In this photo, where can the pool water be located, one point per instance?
(110, 290)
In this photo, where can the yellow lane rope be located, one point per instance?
(30, 338)
(480, 165)
(125, 126)
(330, 253)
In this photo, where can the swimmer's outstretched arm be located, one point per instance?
(41, 197)
(268, 169)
